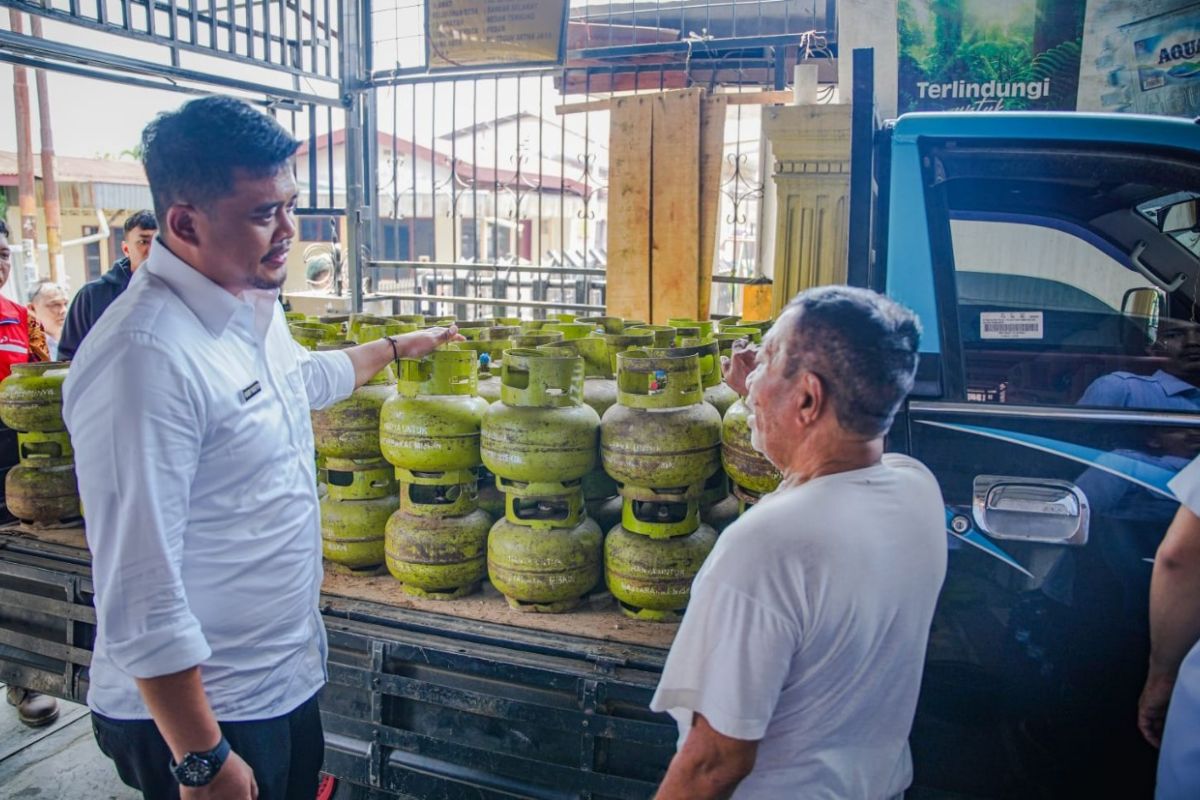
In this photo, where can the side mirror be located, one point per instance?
(1179, 217)
(1142, 306)
(1143, 301)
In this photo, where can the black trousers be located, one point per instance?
(285, 753)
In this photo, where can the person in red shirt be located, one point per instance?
(33, 709)
(14, 317)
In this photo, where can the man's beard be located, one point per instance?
(267, 284)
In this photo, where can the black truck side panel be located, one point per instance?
(417, 705)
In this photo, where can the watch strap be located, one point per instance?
(212, 761)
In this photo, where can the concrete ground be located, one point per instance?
(59, 762)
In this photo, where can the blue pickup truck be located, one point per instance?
(1055, 263)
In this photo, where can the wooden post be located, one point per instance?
(712, 158)
(629, 212)
(50, 204)
(26, 188)
(675, 203)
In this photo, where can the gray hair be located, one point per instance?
(862, 345)
(42, 286)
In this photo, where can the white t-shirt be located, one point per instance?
(807, 629)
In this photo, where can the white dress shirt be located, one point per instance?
(188, 409)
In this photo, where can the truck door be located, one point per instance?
(1053, 262)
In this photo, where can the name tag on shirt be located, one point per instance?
(250, 391)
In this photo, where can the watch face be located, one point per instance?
(194, 771)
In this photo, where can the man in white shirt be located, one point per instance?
(1173, 680)
(796, 669)
(188, 406)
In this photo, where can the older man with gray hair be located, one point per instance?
(48, 304)
(796, 670)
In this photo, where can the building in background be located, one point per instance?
(96, 196)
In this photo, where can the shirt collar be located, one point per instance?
(211, 304)
(1173, 385)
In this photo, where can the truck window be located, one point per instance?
(1040, 311)
(1050, 252)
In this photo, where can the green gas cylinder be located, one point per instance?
(540, 432)
(358, 479)
(652, 578)
(45, 495)
(350, 427)
(352, 532)
(604, 324)
(664, 335)
(437, 541)
(546, 570)
(31, 396)
(746, 466)
(661, 434)
(432, 423)
(310, 333)
(535, 339)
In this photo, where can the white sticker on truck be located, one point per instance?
(1011, 325)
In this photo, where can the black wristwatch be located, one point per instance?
(199, 769)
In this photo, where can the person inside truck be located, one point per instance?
(1175, 386)
(96, 296)
(796, 669)
(188, 406)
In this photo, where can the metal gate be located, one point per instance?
(473, 193)
(490, 194)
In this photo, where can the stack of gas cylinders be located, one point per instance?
(41, 488)
(555, 458)
(437, 540)
(539, 441)
(357, 485)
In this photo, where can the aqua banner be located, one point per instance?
(1137, 56)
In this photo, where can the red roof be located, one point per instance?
(466, 172)
(386, 140)
(485, 177)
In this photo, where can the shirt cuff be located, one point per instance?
(163, 651)
(341, 372)
(682, 704)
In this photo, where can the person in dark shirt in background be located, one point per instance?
(97, 295)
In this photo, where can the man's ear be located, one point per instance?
(808, 398)
(181, 222)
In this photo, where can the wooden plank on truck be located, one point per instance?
(628, 293)
(675, 190)
(712, 157)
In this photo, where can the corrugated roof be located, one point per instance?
(70, 169)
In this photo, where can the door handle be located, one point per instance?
(1042, 510)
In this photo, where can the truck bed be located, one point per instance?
(596, 618)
